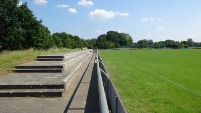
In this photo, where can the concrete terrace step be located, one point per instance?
(49, 70)
(49, 56)
(58, 57)
(31, 86)
(39, 67)
(49, 66)
(32, 93)
(49, 59)
(42, 63)
(42, 78)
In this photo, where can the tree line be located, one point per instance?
(20, 30)
(114, 39)
(166, 44)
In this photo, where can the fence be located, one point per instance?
(114, 101)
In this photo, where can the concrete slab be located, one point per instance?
(84, 76)
(38, 78)
(31, 76)
(51, 66)
(85, 98)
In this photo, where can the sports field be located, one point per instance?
(156, 81)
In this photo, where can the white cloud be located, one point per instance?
(119, 31)
(100, 14)
(99, 31)
(161, 28)
(159, 19)
(85, 3)
(122, 14)
(40, 2)
(72, 10)
(150, 20)
(63, 6)
(148, 36)
(144, 20)
(19, 3)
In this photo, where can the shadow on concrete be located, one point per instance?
(92, 101)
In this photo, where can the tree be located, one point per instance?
(68, 42)
(143, 43)
(190, 42)
(150, 43)
(76, 42)
(19, 28)
(113, 39)
(197, 44)
(42, 39)
(169, 43)
(156, 45)
(125, 39)
(184, 44)
(65, 38)
(160, 44)
(57, 41)
(102, 42)
(81, 45)
(113, 36)
(172, 44)
(91, 43)
(9, 24)
(122, 39)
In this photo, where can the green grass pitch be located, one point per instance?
(156, 81)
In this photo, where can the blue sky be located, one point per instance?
(142, 19)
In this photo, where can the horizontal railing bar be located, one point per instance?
(104, 73)
(102, 97)
(116, 104)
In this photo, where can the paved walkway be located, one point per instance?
(81, 96)
(85, 96)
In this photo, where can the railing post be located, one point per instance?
(116, 106)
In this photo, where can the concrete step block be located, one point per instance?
(31, 86)
(50, 70)
(32, 93)
(49, 59)
(39, 67)
(48, 56)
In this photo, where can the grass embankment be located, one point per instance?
(9, 59)
(156, 81)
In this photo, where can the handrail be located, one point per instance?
(102, 97)
(113, 98)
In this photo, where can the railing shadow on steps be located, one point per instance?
(109, 99)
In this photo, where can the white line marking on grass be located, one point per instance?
(164, 78)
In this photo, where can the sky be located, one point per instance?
(158, 20)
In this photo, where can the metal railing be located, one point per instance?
(102, 97)
(110, 93)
